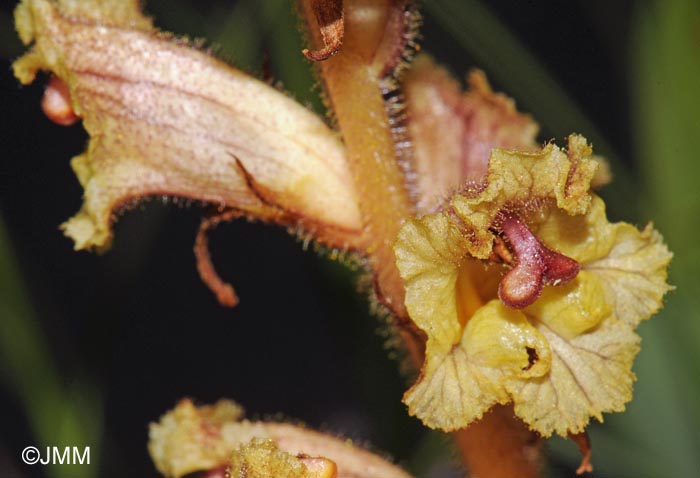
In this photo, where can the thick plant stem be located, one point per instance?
(352, 80)
(372, 39)
(500, 446)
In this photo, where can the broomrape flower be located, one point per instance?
(528, 295)
(216, 437)
(491, 252)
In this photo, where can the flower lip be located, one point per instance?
(535, 264)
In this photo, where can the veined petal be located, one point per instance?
(565, 356)
(629, 263)
(452, 391)
(167, 119)
(634, 272)
(428, 254)
(591, 374)
(458, 386)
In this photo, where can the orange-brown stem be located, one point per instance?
(353, 82)
(500, 446)
(352, 79)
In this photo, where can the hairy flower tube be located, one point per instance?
(492, 254)
(167, 119)
(216, 438)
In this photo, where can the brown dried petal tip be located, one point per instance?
(329, 17)
(584, 446)
(535, 266)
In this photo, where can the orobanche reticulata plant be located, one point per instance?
(514, 296)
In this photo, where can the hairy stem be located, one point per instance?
(371, 43)
(499, 445)
(352, 79)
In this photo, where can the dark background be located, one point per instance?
(99, 346)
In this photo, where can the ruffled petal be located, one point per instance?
(567, 355)
(591, 374)
(190, 438)
(452, 391)
(630, 264)
(518, 180)
(634, 273)
(458, 386)
(428, 253)
(584, 237)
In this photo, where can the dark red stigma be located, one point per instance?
(535, 265)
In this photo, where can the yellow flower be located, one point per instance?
(525, 291)
(189, 440)
(528, 295)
